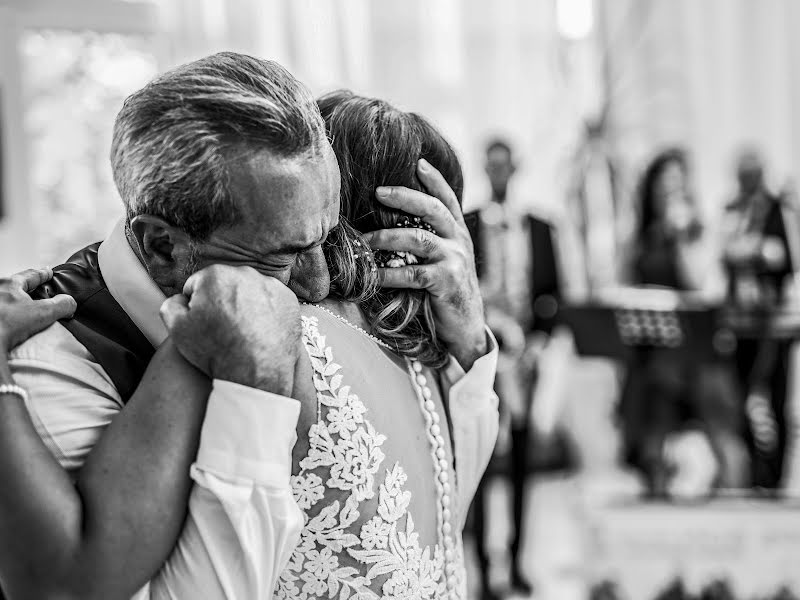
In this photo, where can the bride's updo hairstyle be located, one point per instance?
(376, 144)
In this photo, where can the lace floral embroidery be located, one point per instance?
(345, 447)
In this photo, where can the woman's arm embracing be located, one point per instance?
(103, 531)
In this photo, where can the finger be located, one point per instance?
(173, 309)
(62, 305)
(50, 310)
(423, 244)
(416, 277)
(29, 279)
(420, 204)
(193, 283)
(438, 187)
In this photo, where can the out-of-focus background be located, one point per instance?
(649, 430)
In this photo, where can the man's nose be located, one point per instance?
(310, 278)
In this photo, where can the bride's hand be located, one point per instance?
(448, 272)
(20, 316)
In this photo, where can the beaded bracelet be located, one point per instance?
(14, 390)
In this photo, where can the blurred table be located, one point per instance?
(616, 322)
(782, 323)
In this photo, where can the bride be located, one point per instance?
(384, 467)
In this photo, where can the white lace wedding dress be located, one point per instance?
(373, 472)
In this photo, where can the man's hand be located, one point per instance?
(20, 316)
(448, 271)
(237, 325)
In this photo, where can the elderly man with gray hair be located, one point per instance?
(230, 188)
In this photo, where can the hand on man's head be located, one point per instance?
(235, 324)
(22, 317)
(448, 268)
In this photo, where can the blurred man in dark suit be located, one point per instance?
(759, 260)
(520, 285)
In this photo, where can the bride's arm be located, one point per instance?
(103, 534)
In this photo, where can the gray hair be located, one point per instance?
(174, 139)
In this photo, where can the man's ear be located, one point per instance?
(164, 248)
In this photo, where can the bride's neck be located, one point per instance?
(349, 310)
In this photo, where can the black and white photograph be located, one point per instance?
(399, 300)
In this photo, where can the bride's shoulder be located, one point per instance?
(314, 312)
(325, 317)
(315, 321)
(323, 331)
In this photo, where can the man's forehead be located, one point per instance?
(287, 199)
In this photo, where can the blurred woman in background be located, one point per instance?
(669, 227)
(675, 410)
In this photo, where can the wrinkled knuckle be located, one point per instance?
(198, 279)
(421, 277)
(419, 237)
(173, 327)
(429, 242)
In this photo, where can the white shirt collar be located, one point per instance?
(131, 285)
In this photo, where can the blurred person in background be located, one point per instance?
(520, 286)
(757, 253)
(669, 400)
(758, 258)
